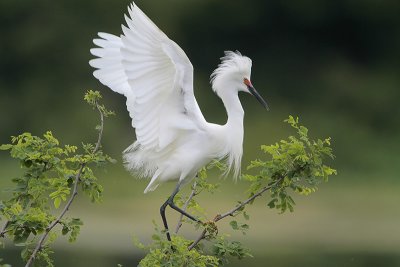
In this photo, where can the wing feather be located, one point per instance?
(156, 77)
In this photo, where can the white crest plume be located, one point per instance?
(232, 65)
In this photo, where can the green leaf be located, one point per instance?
(6, 147)
(271, 204)
(57, 202)
(156, 237)
(65, 230)
(234, 225)
(244, 226)
(76, 222)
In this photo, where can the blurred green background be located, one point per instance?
(336, 64)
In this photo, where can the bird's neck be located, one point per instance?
(233, 131)
(233, 128)
(234, 110)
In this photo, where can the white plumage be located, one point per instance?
(154, 74)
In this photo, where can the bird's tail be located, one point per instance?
(138, 162)
(153, 182)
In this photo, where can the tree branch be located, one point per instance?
(100, 136)
(39, 245)
(192, 194)
(232, 212)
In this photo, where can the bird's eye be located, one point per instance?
(247, 82)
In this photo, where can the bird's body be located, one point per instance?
(192, 147)
(174, 141)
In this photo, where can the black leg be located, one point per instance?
(172, 205)
(170, 202)
(164, 219)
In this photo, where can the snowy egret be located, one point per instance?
(154, 74)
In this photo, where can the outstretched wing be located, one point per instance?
(156, 77)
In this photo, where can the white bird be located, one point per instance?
(174, 141)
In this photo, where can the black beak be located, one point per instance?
(254, 92)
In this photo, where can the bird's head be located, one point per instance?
(233, 73)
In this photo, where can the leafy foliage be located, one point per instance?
(295, 164)
(174, 253)
(93, 98)
(51, 175)
(223, 248)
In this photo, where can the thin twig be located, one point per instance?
(101, 129)
(232, 212)
(192, 194)
(3, 230)
(39, 245)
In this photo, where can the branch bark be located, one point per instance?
(39, 245)
(192, 194)
(232, 212)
